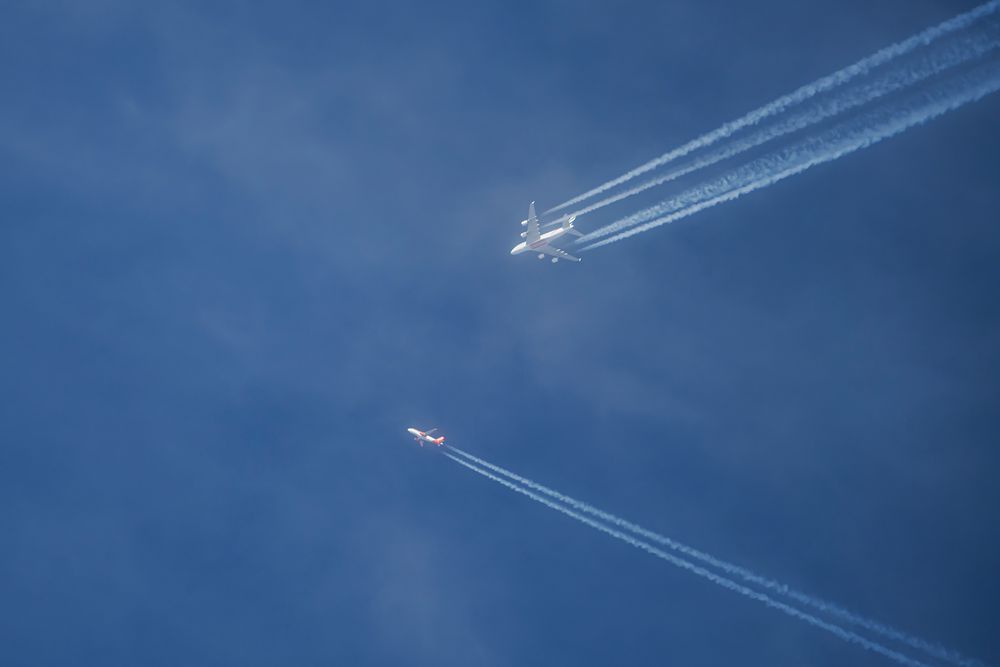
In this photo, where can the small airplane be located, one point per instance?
(537, 241)
(422, 437)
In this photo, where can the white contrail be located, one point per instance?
(836, 142)
(843, 633)
(826, 83)
(822, 605)
(969, 48)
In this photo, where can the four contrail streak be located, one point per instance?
(931, 64)
(843, 633)
(748, 576)
(838, 78)
(840, 140)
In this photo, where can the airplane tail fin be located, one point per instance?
(568, 225)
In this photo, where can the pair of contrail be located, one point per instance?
(827, 83)
(609, 524)
(840, 140)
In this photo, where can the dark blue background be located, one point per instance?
(243, 248)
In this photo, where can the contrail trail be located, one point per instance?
(930, 64)
(843, 633)
(826, 83)
(845, 138)
(828, 607)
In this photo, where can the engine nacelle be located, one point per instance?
(555, 259)
(524, 235)
(524, 223)
(541, 255)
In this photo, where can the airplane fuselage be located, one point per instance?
(543, 240)
(422, 437)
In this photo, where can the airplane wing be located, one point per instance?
(532, 234)
(556, 252)
(430, 431)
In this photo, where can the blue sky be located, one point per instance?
(244, 247)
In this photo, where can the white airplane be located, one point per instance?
(422, 437)
(537, 241)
